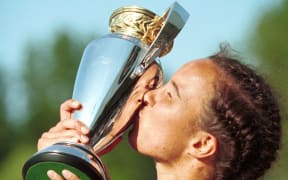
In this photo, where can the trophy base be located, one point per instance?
(73, 157)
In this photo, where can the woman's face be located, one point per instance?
(168, 118)
(151, 79)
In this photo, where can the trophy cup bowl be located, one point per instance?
(114, 70)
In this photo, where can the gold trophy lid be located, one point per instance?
(137, 22)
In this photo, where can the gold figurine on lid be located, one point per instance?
(139, 23)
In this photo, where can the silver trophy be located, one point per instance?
(110, 67)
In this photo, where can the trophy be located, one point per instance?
(110, 67)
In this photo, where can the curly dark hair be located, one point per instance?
(245, 118)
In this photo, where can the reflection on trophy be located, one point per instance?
(115, 70)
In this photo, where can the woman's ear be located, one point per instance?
(203, 145)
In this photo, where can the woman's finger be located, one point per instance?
(73, 134)
(67, 133)
(48, 139)
(68, 107)
(45, 142)
(53, 175)
(69, 175)
(70, 124)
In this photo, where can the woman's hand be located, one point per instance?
(66, 175)
(67, 129)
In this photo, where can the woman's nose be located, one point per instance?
(149, 98)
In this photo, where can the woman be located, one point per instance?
(215, 119)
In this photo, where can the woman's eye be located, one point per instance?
(154, 83)
(169, 94)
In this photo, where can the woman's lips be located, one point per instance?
(135, 118)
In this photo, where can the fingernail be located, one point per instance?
(74, 139)
(67, 174)
(51, 174)
(75, 104)
(84, 130)
(84, 139)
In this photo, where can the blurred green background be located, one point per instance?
(47, 76)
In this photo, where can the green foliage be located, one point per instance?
(269, 44)
(4, 128)
(49, 75)
(14, 160)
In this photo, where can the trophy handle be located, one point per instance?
(174, 20)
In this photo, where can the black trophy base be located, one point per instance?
(73, 157)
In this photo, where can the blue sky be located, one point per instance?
(210, 22)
